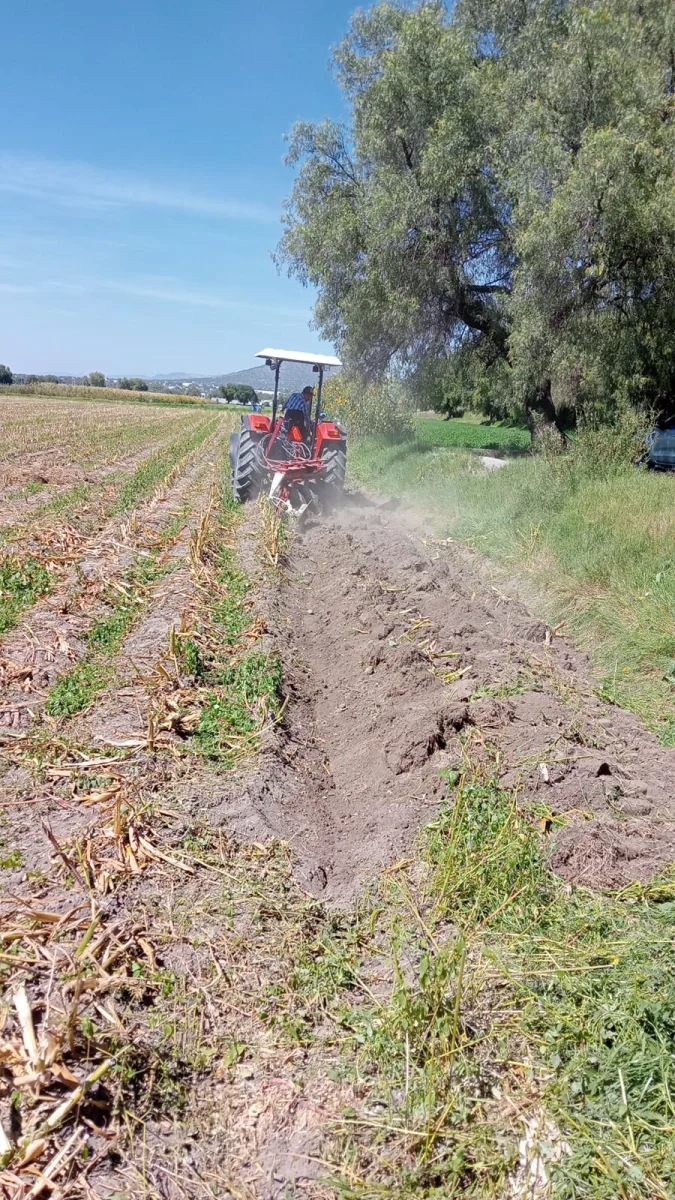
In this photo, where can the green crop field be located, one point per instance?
(470, 435)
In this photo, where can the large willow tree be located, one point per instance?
(497, 216)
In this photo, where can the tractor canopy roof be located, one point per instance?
(299, 356)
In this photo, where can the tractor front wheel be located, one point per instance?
(244, 466)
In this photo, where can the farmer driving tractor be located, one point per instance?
(299, 470)
(297, 412)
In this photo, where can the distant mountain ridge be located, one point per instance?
(292, 377)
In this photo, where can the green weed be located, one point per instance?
(22, 582)
(230, 611)
(32, 488)
(191, 657)
(232, 717)
(76, 690)
(493, 980)
(10, 860)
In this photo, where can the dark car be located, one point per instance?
(661, 447)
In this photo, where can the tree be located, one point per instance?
(501, 205)
(96, 379)
(5, 374)
(132, 385)
(241, 392)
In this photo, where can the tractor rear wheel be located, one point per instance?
(245, 469)
(335, 458)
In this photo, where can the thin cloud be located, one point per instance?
(74, 184)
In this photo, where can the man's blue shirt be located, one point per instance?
(296, 403)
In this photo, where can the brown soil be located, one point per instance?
(399, 660)
(369, 620)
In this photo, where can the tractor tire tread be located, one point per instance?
(335, 459)
(245, 474)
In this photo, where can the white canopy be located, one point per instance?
(319, 360)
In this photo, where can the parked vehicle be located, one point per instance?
(661, 447)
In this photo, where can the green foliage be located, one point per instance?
(132, 385)
(367, 408)
(10, 860)
(231, 717)
(241, 392)
(22, 581)
(592, 987)
(77, 689)
(470, 435)
(244, 682)
(96, 379)
(5, 374)
(478, 974)
(497, 219)
(230, 612)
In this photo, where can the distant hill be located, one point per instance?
(292, 378)
(174, 375)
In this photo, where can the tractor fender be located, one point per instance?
(329, 434)
(257, 424)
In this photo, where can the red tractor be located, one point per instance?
(298, 473)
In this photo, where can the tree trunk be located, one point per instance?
(542, 420)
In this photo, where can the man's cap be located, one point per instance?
(308, 389)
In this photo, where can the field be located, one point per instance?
(324, 868)
(590, 545)
(470, 434)
(108, 395)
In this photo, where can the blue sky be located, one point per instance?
(141, 179)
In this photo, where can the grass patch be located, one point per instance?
(491, 981)
(243, 684)
(78, 689)
(468, 434)
(22, 582)
(470, 996)
(11, 858)
(230, 611)
(233, 716)
(596, 543)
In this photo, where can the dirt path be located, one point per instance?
(399, 661)
(195, 955)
